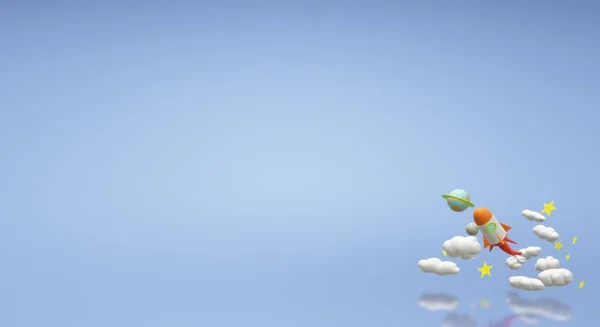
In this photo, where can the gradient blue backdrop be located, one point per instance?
(281, 164)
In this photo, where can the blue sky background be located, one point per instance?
(281, 163)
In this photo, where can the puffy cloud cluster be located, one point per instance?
(547, 263)
(533, 215)
(515, 262)
(526, 283)
(438, 267)
(546, 233)
(556, 277)
(438, 302)
(464, 247)
(544, 308)
(531, 251)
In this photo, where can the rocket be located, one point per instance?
(494, 232)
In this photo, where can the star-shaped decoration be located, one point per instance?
(568, 257)
(574, 240)
(581, 285)
(549, 207)
(485, 270)
(558, 245)
(444, 253)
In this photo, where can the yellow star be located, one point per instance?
(444, 253)
(558, 245)
(574, 240)
(549, 207)
(484, 303)
(568, 257)
(485, 269)
(581, 285)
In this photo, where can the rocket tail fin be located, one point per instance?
(506, 227)
(510, 241)
(486, 243)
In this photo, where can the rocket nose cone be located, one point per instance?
(482, 215)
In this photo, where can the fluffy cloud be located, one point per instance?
(458, 320)
(547, 263)
(533, 215)
(438, 267)
(544, 308)
(531, 251)
(463, 247)
(526, 283)
(438, 302)
(546, 233)
(556, 277)
(515, 262)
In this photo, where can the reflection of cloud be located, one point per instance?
(544, 308)
(458, 320)
(465, 247)
(438, 302)
(530, 320)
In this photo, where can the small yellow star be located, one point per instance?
(485, 269)
(484, 303)
(444, 253)
(574, 240)
(568, 257)
(581, 285)
(549, 207)
(558, 245)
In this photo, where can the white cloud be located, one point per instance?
(530, 320)
(533, 215)
(464, 247)
(438, 267)
(438, 302)
(544, 308)
(531, 251)
(515, 262)
(526, 283)
(458, 320)
(546, 233)
(556, 277)
(547, 263)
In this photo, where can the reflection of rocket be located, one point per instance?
(506, 322)
(494, 232)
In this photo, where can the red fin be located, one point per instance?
(486, 243)
(506, 227)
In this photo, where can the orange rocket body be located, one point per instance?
(494, 232)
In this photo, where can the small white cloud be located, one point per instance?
(543, 308)
(556, 277)
(438, 302)
(531, 251)
(526, 283)
(547, 263)
(546, 233)
(438, 267)
(533, 215)
(463, 247)
(515, 262)
(458, 320)
(530, 320)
